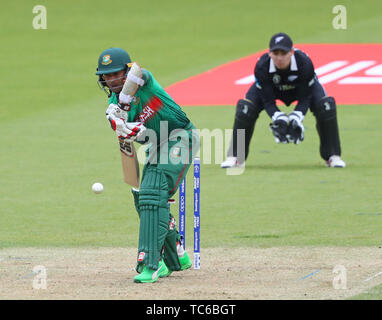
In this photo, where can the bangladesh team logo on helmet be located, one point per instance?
(106, 60)
(112, 60)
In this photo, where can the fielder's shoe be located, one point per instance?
(149, 275)
(231, 162)
(335, 162)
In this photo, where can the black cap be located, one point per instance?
(281, 41)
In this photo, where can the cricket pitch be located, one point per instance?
(226, 273)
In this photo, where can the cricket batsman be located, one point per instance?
(286, 74)
(140, 110)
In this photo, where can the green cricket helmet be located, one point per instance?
(111, 60)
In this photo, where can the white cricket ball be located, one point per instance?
(97, 187)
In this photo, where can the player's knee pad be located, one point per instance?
(246, 111)
(154, 216)
(326, 108)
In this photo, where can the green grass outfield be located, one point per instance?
(55, 141)
(372, 294)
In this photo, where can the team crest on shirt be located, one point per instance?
(276, 78)
(136, 100)
(106, 59)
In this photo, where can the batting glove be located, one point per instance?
(137, 129)
(126, 130)
(296, 128)
(115, 111)
(279, 127)
(117, 118)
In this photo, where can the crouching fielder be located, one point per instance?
(140, 110)
(286, 74)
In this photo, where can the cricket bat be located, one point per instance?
(130, 165)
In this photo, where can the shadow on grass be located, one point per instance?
(258, 236)
(265, 235)
(316, 166)
(286, 167)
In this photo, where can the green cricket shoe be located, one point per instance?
(149, 275)
(185, 263)
(164, 275)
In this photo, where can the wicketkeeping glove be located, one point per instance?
(296, 128)
(279, 127)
